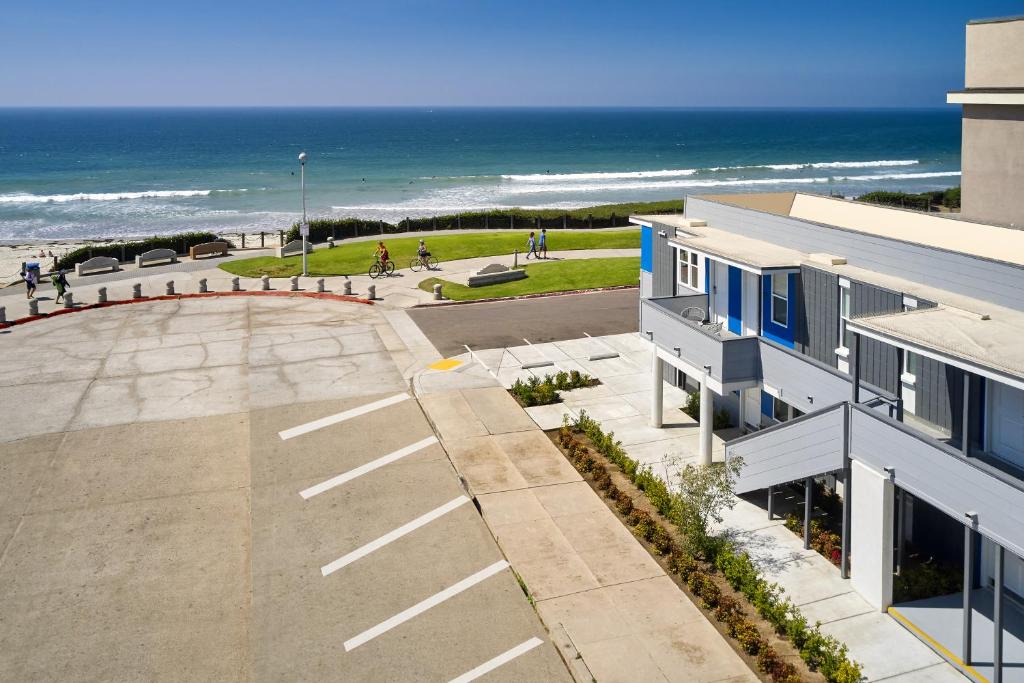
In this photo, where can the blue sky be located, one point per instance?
(485, 53)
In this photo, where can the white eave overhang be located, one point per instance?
(1010, 96)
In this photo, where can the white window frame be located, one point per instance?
(775, 295)
(694, 269)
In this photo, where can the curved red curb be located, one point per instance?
(527, 296)
(174, 297)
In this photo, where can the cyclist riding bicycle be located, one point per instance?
(423, 253)
(382, 253)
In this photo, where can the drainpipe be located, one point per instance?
(968, 610)
(844, 561)
(997, 619)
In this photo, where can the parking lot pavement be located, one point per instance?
(304, 525)
(543, 319)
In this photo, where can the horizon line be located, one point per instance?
(941, 106)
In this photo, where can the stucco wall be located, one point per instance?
(995, 55)
(871, 535)
(993, 163)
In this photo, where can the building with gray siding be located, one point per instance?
(876, 350)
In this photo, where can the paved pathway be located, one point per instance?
(597, 589)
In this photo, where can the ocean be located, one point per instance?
(97, 173)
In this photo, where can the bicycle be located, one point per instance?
(378, 268)
(419, 262)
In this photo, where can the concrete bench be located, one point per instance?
(152, 255)
(97, 263)
(208, 249)
(292, 248)
(494, 274)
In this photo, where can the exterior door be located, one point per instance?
(750, 304)
(720, 285)
(1006, 417)
(1013, 568)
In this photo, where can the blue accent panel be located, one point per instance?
(767, 404)
(735, 300)
(769, 329)
(707, 276)
(646, 249)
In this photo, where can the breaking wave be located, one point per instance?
(104, 196)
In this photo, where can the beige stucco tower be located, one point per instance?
(992, 158)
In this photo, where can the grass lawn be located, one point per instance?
(555, 276)
(354, 258)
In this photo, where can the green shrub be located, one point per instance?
(661, 539)
(541, 392)
(823, 653)
(745, 632)
(180, 243)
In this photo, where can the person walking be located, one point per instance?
(31, 280)
(60, 283)
(544, 243)
(532, 247)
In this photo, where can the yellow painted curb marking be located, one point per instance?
(446, 364)
(938, 646)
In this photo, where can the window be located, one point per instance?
(780, 299)
(910, 363)
(845, 337)
(688, 269)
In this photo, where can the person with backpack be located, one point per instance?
(60, 283)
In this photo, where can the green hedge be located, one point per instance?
(923, 201)
(127, 251)
(821, 652)
(604, 216)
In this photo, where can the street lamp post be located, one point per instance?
(304, 227)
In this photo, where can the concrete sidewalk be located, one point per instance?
(596, 588)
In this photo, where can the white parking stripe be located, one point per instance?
(503, 658)
(393, 535)
(341, 417)
(420, 607)
(368, 467)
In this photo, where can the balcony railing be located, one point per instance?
(673, 323)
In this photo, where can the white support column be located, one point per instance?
(742, 412)
(707, 409)
(657, 388)
(871, 535)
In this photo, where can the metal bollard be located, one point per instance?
(234, 285)
(330, 243)
(202, 286)
(320, 285)
(295, 283)
(137, 290)
(372, 292)
(265, 280)
(515, 259)
(69, 300)
(3, 314)
(348, 287)
(101, 295)
(437, 293)
(170, 287)
(33, 306)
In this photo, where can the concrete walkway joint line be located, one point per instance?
(420, 607)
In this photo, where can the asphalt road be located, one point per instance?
(545, 319)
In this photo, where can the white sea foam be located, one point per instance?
(104, 196)
(662, 184)
(574, 177)
(900, 176)
(683, 172)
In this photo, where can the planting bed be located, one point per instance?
(769, 634)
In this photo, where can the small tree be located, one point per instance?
(705, 491)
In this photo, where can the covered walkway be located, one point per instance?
(938, 622)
